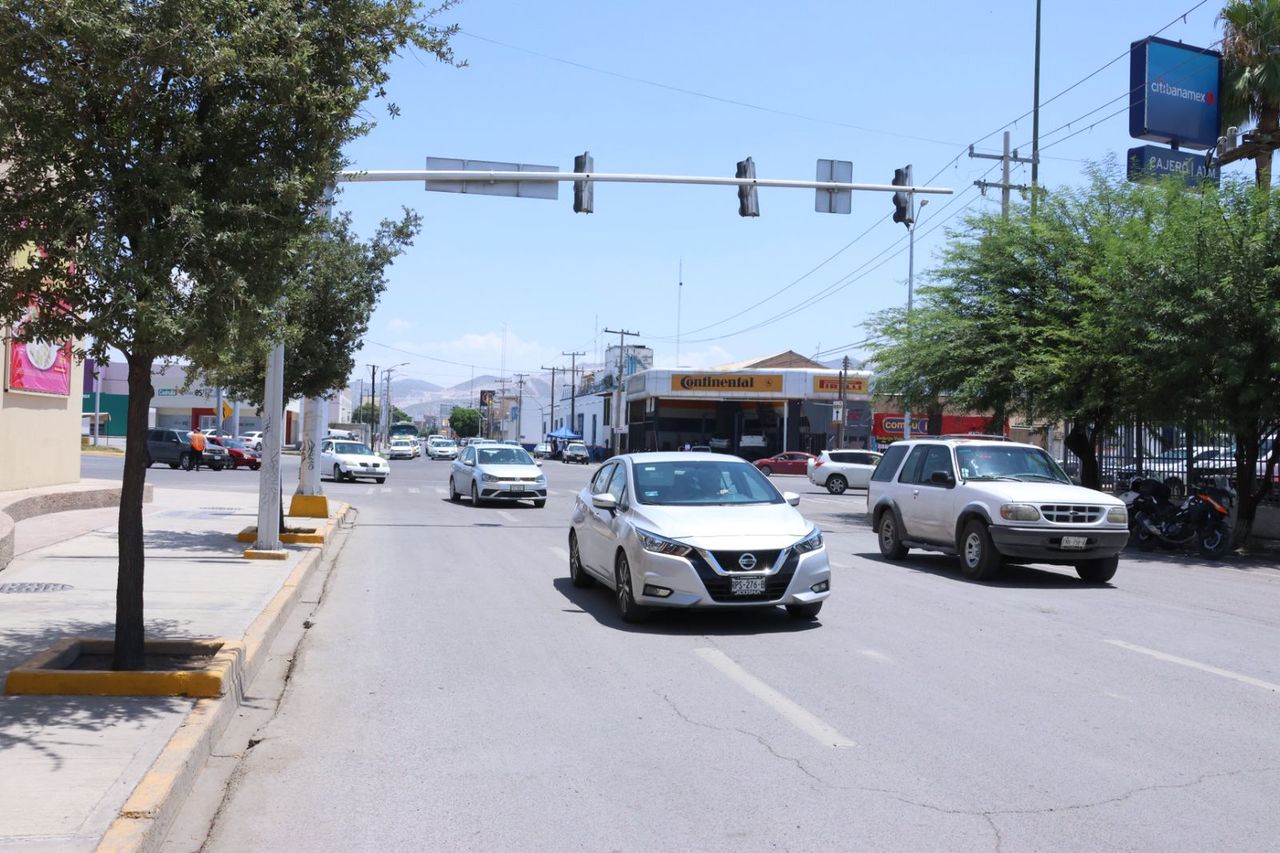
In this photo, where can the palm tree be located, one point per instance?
(1251, 73)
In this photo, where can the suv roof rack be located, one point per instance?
(974, 435)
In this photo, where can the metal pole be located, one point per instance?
(911, 285)
(235, 418)
(844, 374)
(1004, 178)
(97, 403)
(1035, 121)
(573, 389)
(217, 411)
(272, 439)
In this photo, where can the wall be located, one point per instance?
(40, 437)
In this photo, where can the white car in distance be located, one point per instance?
(839, 470)
(348, 460)
(439, 447)
(402, 448)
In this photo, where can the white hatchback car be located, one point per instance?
(695, 530)
(347, 460)
(402, 448)
(838, 470)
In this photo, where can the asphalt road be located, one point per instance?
(456, 693)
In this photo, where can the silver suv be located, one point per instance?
(988, 501)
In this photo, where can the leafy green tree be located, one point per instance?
(1251, 72)
(465, 423)
(330, 295)
(166, 155)
(371, 413)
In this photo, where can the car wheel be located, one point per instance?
(891, 546)
(766, 470)
(149, 460)
(805, 611)
(453, 493)
(185, 461)
(255, 466)
(577, 574)
(979, 559)
(627, 607)
(540, 503)
(836, 484)
(216, 466)
(1098, 571)
(475, 495)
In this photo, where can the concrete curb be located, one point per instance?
(149, 812)
(47, 673)
(32, 502)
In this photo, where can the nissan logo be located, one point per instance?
(747, 561)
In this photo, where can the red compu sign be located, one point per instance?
(888, 425)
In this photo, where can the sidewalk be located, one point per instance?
(69, 763)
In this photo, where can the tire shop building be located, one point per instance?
(751, 409)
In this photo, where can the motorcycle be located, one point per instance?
(1155, 520)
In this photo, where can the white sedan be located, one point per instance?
(403, 448)
(695, 530)
(497, 472)
(347, 460)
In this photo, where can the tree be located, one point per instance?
(371, 413)
(1251, 73)
(329, 297)
(166, 157)
(465, 423)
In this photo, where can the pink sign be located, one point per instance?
(40, 367)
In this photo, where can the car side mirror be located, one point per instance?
(605, 501)
(470, 463)
(538, 462)
(942, 478)
(791, 498)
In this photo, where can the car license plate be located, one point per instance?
(746, 586)
(1075, 542)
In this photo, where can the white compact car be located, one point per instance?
(402, 448)
(253, 439)
(441, 448)
(348, 460)
(695, 530)
(991, 501)
(838, 470)
(497, 472)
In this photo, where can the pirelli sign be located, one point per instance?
(831, 384)
(721, 382)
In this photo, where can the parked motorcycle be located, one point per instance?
(1155, 520)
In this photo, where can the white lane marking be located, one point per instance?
(875, 655)
(440, 490)
(369, 490)
(562, 553)
(790, 711)
(413, 490)
(1203, 667)
(386, 490)
(507, 516)
(839, 565)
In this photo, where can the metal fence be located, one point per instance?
(1175, 454)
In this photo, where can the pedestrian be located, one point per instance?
(197, 449)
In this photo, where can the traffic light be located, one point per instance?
(901, 200)
(583, 191)
(748, 200)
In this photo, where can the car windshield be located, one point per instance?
(702, 484)
(351, 447)
(446, 443)
(577, 448)
(998, 462)
(500, 455)
(233, 442)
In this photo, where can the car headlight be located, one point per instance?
(1019, 512)
(660, 544)
(812, 542)
(1118, 515)
(489, 478)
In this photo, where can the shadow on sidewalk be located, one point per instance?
(44, 723)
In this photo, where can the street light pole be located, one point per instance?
(911, 289)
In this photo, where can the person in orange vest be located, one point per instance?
(197, 449)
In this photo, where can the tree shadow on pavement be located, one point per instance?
(598, 602)
(44, 723)
(1010, 577)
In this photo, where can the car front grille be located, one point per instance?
(1072, 513)
(718, 585)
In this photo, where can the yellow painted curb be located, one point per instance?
(308, 537)
(255, 554)
(47, 673)
(249, 534)
(309, 506)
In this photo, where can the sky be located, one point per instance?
(502, 285)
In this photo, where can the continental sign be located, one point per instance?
(831, 384)
(713, 382)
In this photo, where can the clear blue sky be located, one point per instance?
(880, 84)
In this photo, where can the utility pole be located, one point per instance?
(1003, 185)
(844, 380)
(373, 394)
(519, 405)
(911, 288)
(616, 422)
(1035, 120)
(573, 388)
(551, 424)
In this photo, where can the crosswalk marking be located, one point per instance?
(413, 490)
(562, 553)
(507, 516)
(386, 490)
(440, 490)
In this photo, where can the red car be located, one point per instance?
(791, 462)
(241, 453)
